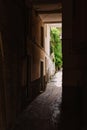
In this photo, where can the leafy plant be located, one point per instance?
(56, 46)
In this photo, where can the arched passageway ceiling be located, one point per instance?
(50, 11)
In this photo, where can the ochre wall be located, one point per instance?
(34, 46)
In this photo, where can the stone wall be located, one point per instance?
(13, 39)
(74, 64)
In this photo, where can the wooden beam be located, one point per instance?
(40, 2)
(49, 11)
(47, 22)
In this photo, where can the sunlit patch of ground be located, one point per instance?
(58, 79)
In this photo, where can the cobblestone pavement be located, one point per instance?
(43, 113)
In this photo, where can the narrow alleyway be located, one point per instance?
(43, 113)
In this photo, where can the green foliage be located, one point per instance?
(56, 46)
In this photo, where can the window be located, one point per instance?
(42, 37)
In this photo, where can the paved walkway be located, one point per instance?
(44, 111)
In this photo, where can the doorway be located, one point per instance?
(41, 76)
